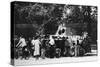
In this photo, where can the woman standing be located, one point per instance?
(37, 48)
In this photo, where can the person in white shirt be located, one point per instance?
(51, 42)
(22, 44)
(52, 47)
(32, 42)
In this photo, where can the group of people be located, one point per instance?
(50, 47)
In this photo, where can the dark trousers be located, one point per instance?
(52, 51)
(25, 53)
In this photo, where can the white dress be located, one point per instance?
(37, 47)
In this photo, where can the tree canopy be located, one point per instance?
(43, 16)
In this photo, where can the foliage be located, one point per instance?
(43, 16)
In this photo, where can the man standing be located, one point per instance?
(22, 44)
(52, 47)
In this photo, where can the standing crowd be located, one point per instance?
(51, 47)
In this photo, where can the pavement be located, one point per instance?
(33, 61)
